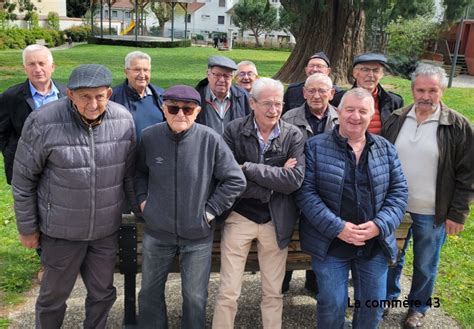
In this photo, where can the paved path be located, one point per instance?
(298, 311)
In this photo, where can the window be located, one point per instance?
(220, 20)
(221, 3)
(106, 13)
(205, 17)
(188, 18)
(114, 13)
(127, 14)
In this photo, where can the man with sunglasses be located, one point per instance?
(368, 70)
(186, 175)
(317, 63)
(270, 152)
(222, 101)
(246, 75)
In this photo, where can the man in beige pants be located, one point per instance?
(270, 152)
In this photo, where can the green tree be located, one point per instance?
(162, 12)
(77, 8)
(338, 28)
(255, 15)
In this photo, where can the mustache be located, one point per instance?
(425, 103)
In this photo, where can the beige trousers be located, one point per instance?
(238, 233)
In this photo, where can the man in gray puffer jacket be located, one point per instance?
(73, 160)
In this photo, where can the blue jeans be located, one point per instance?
(427, 242)
(369, 277)
(195, 268)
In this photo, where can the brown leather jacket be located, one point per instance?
(455, 179)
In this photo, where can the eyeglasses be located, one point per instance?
(317, 66)
(174, 109)
(267, 105)
(320, 91)
(367, 70)
(242, 74)
(138, 71)
(218, 76)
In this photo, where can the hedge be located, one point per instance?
(16, 38)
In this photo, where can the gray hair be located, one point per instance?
(266, 83)
(424, 69)
(33, 48)
(247, 63)
(319, 77)
(360, 93)
(136, 55)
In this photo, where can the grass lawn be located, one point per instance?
(455, 284)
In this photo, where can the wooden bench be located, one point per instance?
(129, 258)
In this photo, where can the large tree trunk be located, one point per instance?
(335, 27)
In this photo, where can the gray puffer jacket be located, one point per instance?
(68, 178)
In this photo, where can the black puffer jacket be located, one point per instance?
(68, 177)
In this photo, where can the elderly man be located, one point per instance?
(137, 94)
(180, 219)
(270, 152)
(73, 158)
(222, 102)
(368, 70)
(246, 75)
(352, 200)
(435, 144)
(315, 116)
(317, 63)
(20, 100)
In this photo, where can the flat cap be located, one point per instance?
(321, 55)
(90, 76)
(371, 57)
(182, 93)
(221, 61)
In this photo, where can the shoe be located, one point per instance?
(286, 282)
(414, 319)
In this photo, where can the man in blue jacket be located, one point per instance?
(142, 98)
(352, 200)
(183, 182)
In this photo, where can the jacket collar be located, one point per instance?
(182, 135)
(445, 117)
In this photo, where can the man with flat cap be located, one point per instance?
(368, 70)
(222, 102)
(73, 160)
(182, 183)
(317, 63)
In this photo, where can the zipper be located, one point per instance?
(176, 190)
(93, 182)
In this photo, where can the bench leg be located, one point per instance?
(129, 313)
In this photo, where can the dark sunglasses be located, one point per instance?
(174, 109)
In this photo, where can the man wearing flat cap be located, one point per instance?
(317, 63)
(74, 159)
(368, 70)
(222, 101)
(182, 183)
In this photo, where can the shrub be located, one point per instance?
(78, 33)
(16, 38)
(53, 20)
(409, 37)
(34, 20)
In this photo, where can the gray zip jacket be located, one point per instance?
(269, 181)
(68, 178)
(297, 117)
(181, 176)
